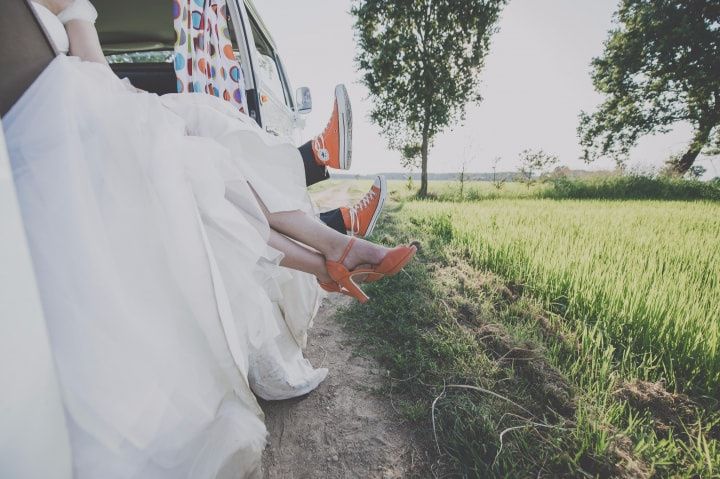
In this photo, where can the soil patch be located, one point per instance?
(344, 428)
(667, 410)
(468, 290)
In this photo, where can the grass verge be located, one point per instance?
(505, 388)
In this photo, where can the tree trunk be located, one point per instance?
(700, 139)
(423, 168)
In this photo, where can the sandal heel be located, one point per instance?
(355, 291)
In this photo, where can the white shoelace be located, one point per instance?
(362, 204)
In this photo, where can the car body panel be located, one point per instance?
(271, 100)
(277, 108)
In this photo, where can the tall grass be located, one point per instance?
(644, 275)
(601, 294)
(615, 187)
(634, 187)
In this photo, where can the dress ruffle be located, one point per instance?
(163, 302)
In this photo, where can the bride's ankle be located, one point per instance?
(364, 253)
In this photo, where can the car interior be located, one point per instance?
(121, 30)
(20, 67)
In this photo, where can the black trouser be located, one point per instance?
(315, 173)
(334, 220)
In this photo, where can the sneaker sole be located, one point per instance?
(345, 133)
(378, 210)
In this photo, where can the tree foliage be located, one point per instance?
(661, 65)
(534, 163)
(420, 60)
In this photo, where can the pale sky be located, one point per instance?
(535, 82)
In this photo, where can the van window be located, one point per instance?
(163, 56)
(270, 75)
(269, 69)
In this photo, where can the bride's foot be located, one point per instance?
(323, 277)
(362, 253)
(328, 284)
(385, 262)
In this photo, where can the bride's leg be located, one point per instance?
(334, 248)
(330, 243)
(307, 230)
(298, 257)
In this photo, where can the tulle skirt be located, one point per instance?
(274, 169)
(163, 302)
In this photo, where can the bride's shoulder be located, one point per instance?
(55, 6)
(53, 26)
(76, 10)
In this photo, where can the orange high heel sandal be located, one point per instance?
(331, 287)
(390, 265)
(344, 278)
(393, 262)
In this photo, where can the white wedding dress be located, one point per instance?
(163, 302)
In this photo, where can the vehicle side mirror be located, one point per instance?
(303, 100)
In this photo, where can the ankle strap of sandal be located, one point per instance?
(347, 250)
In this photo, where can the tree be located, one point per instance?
(661, 65)
(469, 156)
(498, 183)
(462, 178)
(533, 164)
(420, 60)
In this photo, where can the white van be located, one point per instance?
(138, 37)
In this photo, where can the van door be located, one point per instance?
(276, 103)
(270, 101)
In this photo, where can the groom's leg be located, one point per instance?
(331, 148)
(314, 172)
(359, 220)
(334, 219)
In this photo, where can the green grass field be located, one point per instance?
(599, 319)
(645, 274)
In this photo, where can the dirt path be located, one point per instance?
(343, 428)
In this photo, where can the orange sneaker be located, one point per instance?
(360, 219)
(333, 147)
